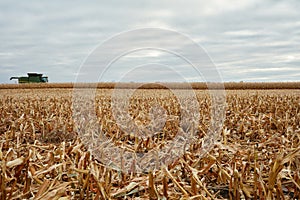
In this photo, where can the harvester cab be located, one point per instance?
(31, 78)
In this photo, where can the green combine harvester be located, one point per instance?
(31, 78)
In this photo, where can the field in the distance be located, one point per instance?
(160, 85)
(256, 157)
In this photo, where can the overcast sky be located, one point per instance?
(247, 40)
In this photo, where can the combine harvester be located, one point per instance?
(31, 78)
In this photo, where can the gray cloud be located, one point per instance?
(247, 40)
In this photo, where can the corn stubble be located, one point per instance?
(257, 156)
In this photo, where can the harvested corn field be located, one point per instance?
(257, 155)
